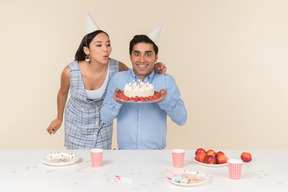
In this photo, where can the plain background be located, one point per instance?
(229, 59)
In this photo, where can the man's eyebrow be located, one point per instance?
(140, 51)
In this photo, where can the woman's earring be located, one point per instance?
(87, 58)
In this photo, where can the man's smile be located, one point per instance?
(142, 65)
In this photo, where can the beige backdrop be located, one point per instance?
(229, 59)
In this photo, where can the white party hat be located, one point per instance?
(154, 34)
(90, 24)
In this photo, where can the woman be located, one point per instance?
(87, 78)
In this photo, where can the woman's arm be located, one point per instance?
(61, 101)
(123, 67)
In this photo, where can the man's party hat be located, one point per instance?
(154, 34)
(90, 24)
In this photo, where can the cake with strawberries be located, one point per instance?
(138, 89)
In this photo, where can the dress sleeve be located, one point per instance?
(173, 105)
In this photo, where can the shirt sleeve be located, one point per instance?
(110, 108)
(173, 105)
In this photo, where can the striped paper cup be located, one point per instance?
(96, 157)
(235, 167)
(178, 158)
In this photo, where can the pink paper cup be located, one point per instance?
(178, 158)
(235, 167)
(96, 157)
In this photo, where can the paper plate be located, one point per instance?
(60, 159)
(199, 179)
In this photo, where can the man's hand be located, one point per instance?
(164, 93)
(116, 92)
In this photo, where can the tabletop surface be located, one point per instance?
(22, 170)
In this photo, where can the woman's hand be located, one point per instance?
(160, 68)
(54, 126)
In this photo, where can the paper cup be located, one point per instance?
(235, 167)
(178, 158)
(96, 157)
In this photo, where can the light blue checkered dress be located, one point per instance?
(84, 128)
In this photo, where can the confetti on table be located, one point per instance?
(124, 179)
(50, 171)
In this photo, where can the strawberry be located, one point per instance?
(136, 99)
(141, 99)
(131, 98)
(146, 98)
(126, 98)
(120, 95)
(158, 94)
(150, 98)
(155, 97)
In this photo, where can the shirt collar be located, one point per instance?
(148, 78)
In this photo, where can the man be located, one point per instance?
(143, 125)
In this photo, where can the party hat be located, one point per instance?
(90, 24)
(154, 34)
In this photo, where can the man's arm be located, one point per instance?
(110, 108)
(173, 105)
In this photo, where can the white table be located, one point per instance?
(21, 170)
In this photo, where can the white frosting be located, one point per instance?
(139, 89)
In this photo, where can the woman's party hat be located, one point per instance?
(90, 24)
(154, 34)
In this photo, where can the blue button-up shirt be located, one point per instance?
(143, 125)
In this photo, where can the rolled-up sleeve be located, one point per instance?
(173, 105)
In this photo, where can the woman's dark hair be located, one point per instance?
(142, 39)
(80, 55)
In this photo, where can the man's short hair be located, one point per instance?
(142, 39)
